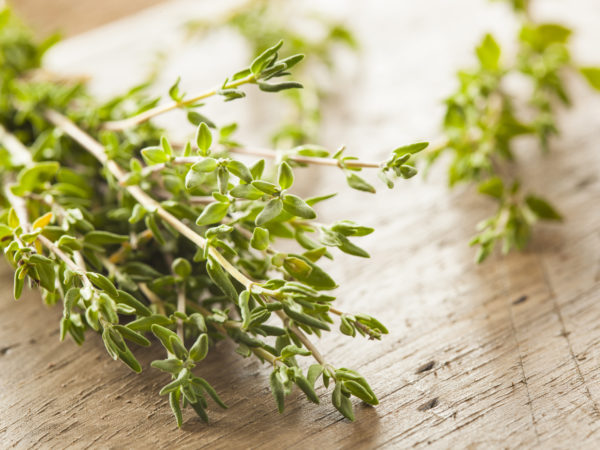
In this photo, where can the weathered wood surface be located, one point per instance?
(502, 355)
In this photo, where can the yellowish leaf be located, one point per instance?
(41, 222)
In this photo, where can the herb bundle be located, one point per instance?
(137, 236)
(483, 119)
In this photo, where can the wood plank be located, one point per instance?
(501, 355)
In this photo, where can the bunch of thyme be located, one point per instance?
(138, 237)
(482, 121)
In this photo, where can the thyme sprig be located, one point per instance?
(261, 22)
(483, 118)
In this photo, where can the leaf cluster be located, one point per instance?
(141, 238)
(483, 118)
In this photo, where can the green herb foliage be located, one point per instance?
(481, 124)
(262, 22)
(139, 237)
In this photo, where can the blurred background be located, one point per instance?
(74, 16)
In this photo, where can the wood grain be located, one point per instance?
(74, 16)
(500, 355)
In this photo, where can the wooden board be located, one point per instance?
(500, 355)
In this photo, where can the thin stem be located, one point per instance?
(161, 109)
(180, 308)
(152, 297)
(303, 338)
(274, 154)
(266, 153)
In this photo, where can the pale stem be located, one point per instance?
(180, 308)
(161, 109)
(152, 297)
(270, 154)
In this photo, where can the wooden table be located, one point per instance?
(505, 354)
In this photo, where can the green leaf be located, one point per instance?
(164, 143)
(545, 34)
(294, 205)
(145, 323)
(277, 87)
(181, 267)
(210, 391)
(314, 200)
(178, 348)
(411, 148)
(130, 300)
(174, 402)
(171, 365)
(260, 238)
(265, 186)
(131, 335)
(271, 210)
(206, 165)
(407, 171)
(130, 360)
(307, 388)
(542, 209)
(102, 283)
(243, 300)
(239, 170)
(305, 319)
(350, 228)
(195, 118)
(592, 75)
(313, 373)
(35, 177)
(285, 176)
(164, 335)
(213, 213)
(346, 327)
(151, 224)
(341, 402)
(45, 270)
(199, 350)
(277, 390)
(291, 350)
(203, 139)
(291, 61)
(488, 53)
(137, 214)
(494, 187)
(257, 169)
(261, 61)
(154, 155)
(356, 182)
(306, 271)
(104, 238)
(359, 391)
(19, 282)
(220, 278)
(174, 91)
(247, 191)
